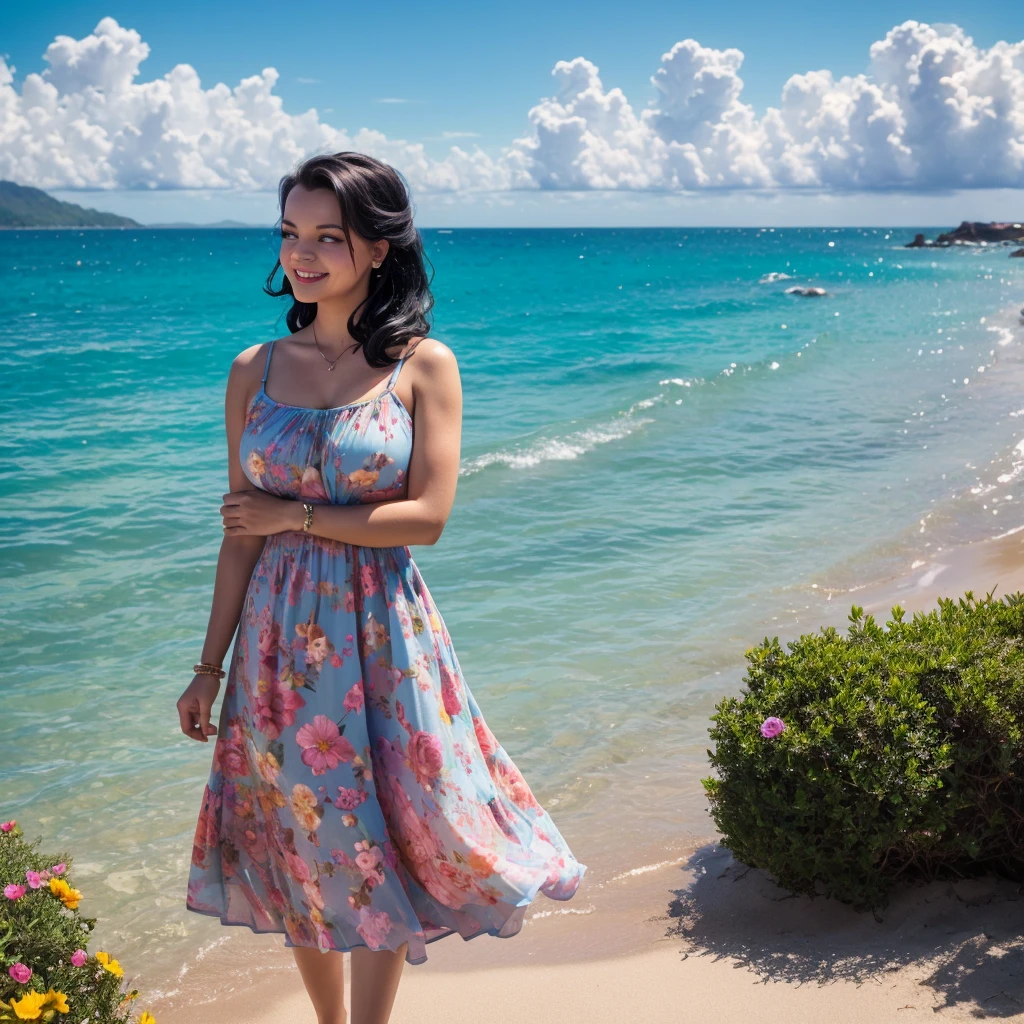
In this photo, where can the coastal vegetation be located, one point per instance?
(46, 971)
(852, 762)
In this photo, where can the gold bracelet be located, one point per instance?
(309, 516)
(205, 668)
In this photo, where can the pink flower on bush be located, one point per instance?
(6, 826)
(323, 746)
(79, 957)
(34, 879)
(20, 973)
(14, 892)
(59, 869)
(771, 727)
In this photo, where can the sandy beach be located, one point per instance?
(698, 937)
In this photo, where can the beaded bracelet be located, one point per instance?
(204, 668)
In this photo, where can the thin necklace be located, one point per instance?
(330, 365)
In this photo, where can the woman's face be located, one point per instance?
(313, 241)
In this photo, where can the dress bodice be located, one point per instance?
(348, 455)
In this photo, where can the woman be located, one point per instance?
(357, 799)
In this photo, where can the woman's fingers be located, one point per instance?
(204, 720)
(188, 711)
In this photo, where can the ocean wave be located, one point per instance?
(571, 446)
(775, 275)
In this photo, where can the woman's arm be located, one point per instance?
(418, 518)
(235, 563)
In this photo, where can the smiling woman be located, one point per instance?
(357, 798)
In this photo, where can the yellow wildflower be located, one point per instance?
(34, 1005)
(68, 896)
(147, 1018)
(54, 1000)
(110, 964)
(29, 1006)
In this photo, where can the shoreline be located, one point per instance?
(693, 933)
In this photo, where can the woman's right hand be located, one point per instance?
(194, 707)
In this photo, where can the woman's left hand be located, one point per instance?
(258, 514)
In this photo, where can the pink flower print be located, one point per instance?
(355, 698)
(336, 660)
(368, 859)
(373, 926)
(348, 799)
(269, 643)
(772, 727)
(426, 756)
(323, 746)
(508, 776)
(79, 957)
(312, 485)
(59, 869)
(369, 580)
(276, 709)
(14, 892)
(20, 973)
(314, 896)
(298, 868)
(34, 879)
(350, 601)
(7, 826)
(486, 738)
(229, 753)
(450, 690)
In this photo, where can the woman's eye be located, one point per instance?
(286, 234)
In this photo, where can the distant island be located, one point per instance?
(214, 224)
(973, 232)
(22, 206)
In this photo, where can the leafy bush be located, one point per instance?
(853, 761)
(46, 972)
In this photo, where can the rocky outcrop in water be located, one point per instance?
(973, 232)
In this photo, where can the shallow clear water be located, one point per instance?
(663, 457)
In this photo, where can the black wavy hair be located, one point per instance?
(376, 203)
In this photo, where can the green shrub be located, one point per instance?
(46, 973)
(902, 753)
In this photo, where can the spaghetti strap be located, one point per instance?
(393, 379)
(266, 368)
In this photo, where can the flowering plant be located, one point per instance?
(852, 762)
(46, 973)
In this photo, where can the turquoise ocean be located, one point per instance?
(665, 458)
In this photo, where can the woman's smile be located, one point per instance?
(306, 275)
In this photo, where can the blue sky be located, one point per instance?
(468, 75)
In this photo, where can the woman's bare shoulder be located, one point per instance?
(432, 355)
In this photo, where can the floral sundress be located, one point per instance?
(357, 796)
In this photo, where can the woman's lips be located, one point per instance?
(310, 280)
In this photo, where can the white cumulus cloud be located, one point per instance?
(931, 110)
